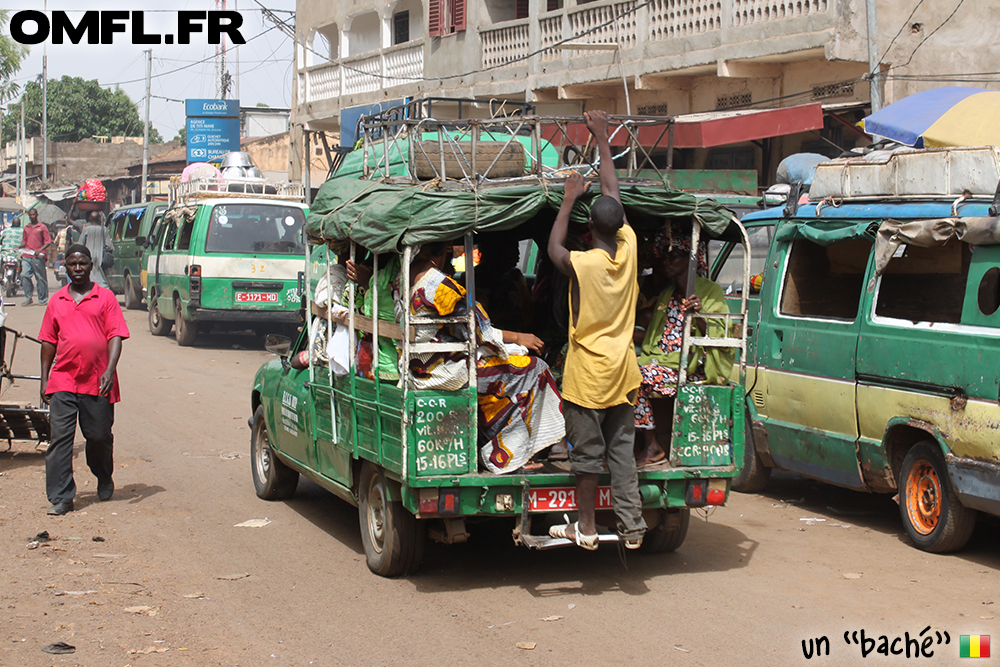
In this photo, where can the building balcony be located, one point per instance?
(364, 73)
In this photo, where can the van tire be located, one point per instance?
(755, 475)
(660, 541)
(133, 294)
(935, 519)
(158, 325)
(185, 332)
(272, 479)
(393, 538)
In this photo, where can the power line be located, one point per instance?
(943, 23)
(900, 32)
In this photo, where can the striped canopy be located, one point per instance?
(950, 116)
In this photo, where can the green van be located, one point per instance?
(873, 361)
(229, 261)
(129, 227)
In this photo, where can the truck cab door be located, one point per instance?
(805, 388)
(293, 416)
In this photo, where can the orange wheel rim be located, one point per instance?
(923, 497)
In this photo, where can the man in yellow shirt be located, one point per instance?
(601, 374)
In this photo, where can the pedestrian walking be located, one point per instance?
(97, 238)
(601, 374)
(34, 244)
(81, 335)
(66, 237)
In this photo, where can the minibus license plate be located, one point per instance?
(256, 297)
(550, 500)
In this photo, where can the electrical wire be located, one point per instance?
(943, 23)
(900, 32)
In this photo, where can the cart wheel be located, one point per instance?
(184, 331)
(658, 541)
(393, 538)
(272, 479)
(158, 325)
(755, 474)
(935, 519)
(133, 294)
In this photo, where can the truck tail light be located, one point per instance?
(697, 493)
(716, 492)
(428, 501)
(195, 274)
(448, 501)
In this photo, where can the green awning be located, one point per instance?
(826, 232)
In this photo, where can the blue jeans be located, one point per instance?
(34, 268)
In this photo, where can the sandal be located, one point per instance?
(588, 542)
(645, 463)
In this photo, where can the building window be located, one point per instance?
(520, 9)
(733, 101)
(401, 27)
(445, 17)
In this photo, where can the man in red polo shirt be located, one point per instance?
(34, 242)
(82, 333)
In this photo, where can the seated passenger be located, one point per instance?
(660, 354)
(388, 275)
(520, 412)
(501, 287)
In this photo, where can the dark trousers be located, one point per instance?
(97, 416)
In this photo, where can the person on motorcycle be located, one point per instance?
(10, 260)
(10, 239)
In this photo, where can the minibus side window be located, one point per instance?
(925, 284)
(184, 238)
(825, 281)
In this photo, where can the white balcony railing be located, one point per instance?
(631, 24)
(366, 73)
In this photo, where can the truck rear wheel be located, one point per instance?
(184, 331)
(934, 517)
(755, 475)
(392, 537)
(658, 540)
(272, 479)
(133, 293)
(158, 325)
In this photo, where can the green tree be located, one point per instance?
(12, 55)
(182, 136)
(79, 109)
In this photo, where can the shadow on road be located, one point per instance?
(873, 511)
(329, 513)
(21, 455)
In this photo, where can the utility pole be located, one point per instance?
(24, 156)
(45, 106)
(145, 130)
(874, 74)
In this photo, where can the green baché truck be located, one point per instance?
(409, 459)
(228, 259)
(876, 334)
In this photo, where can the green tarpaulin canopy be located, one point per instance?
(384, 217)
(826, 232)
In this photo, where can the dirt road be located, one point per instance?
(175, 582)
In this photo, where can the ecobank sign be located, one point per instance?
(101, 27)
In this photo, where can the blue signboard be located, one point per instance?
(209, 138)
(213, 108)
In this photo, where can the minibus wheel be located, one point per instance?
(755, 475)
(185, 332)
(158, 325)
(133, 293)
(272, 479)
(659, 541)
(934, 517)
(392, 537)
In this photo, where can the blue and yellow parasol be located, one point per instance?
(949, 116)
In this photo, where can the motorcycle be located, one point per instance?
(11, 275)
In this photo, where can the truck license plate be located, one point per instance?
(256, 297)
(551, 500)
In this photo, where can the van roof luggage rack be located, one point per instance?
(192, 191)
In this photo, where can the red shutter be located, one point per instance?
(434, 18)
(458, 14)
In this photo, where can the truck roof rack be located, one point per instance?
(195, 190)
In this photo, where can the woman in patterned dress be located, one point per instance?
(659, 358)
(520, 411)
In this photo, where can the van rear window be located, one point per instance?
(268, 229)
(825, 281)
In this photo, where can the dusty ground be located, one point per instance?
(175, 583)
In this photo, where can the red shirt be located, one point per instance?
(35, 236)
(80, 332)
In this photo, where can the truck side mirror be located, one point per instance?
(277, 344)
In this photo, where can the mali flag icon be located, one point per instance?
(974, 646)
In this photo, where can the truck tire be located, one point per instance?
(755, 475)
(185, 332)
(272, 479)
(158, 325)
(392, 537)
(133, 293)
(934, 517)
(659, 541)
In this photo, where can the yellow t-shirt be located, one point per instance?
(601, 368)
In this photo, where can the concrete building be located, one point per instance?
(666, 57)
(263, 121)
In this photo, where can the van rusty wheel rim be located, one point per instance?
(923, 497)
(376, 515)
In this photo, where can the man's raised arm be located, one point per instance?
(558, 252)
(597, 122)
